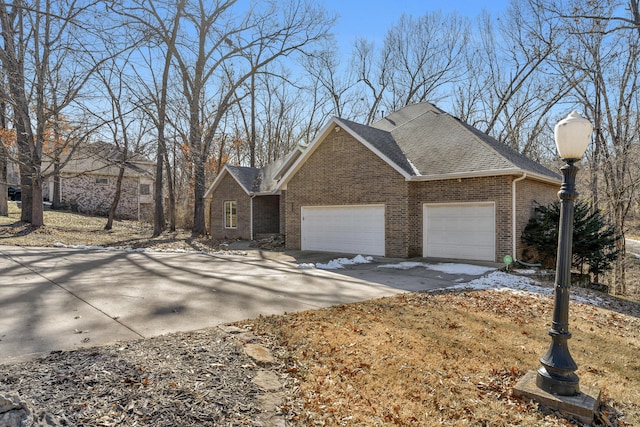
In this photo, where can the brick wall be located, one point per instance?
(528, 193)
(342, 171)
(93, 194)
(489, 189)
(228, 190)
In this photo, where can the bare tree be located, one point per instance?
(217, 48)
(159, 22)
(41, 39)
(425, 55)
(4, 160)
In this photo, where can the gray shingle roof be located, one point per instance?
(436, 143)
(249, 178)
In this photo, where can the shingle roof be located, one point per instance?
(249, 178)
(436, 143)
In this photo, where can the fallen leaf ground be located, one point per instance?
(447, 359)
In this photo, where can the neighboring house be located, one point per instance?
(418, 183)
(88, 183)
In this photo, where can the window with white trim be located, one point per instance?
(230, 217)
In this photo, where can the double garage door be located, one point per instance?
(450, 230)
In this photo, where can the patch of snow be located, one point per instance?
(341, 262)
(448, 268)
(127, 249)
(500, 281)
(526, 271)
(404, 265)
(306, 266)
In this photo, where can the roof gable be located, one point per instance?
(379, 141)
(257, 180)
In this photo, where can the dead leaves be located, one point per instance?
(421, 359)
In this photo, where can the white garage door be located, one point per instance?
(348, 229)
(459, 231)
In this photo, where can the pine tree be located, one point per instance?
(594, 238)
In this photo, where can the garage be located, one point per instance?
(347, 229)
(459, 231)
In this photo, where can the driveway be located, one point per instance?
(62, 299)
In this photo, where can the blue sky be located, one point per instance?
(372, 18)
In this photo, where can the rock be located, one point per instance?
(14, 412)
(259, 354)
(267, 381)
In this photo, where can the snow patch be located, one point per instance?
(306, 266)
(405, 265)
(341, 262)
(448, 268)
(127, 249)
(500, 281)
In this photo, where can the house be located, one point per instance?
(87, 182)
(245, 202)
(418, 183)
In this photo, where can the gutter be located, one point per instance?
(513, 213)
(486, 173)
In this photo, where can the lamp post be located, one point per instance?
(557, 373)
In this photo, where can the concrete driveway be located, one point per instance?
(62, 299)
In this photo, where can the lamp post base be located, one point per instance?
(562, 386)
(582, 406)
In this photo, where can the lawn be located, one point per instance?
(423, 359)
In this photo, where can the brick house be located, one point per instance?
(88, 183)
(244, 202)
(418, 183)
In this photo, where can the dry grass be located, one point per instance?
(71, 228)
(415, 359)
(446, 359)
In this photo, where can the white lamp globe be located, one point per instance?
(572, 135)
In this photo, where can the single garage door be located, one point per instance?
(460, 231)
(348, 229)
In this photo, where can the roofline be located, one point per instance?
(216, 182)
(288, 162)
(324, 132)
(374, 149)
(487, 173)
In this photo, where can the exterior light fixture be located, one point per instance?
(557, 373)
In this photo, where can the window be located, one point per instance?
(102, 181)
(145, 189)
(230, 214)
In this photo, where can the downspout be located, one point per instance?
(513, 213)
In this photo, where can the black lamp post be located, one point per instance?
(557, 373)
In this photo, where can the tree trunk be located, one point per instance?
(4, 205)
(198, 193)
(56, 197)
(171, 190)
(116, 199)
(37, 207)
(158, 213)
